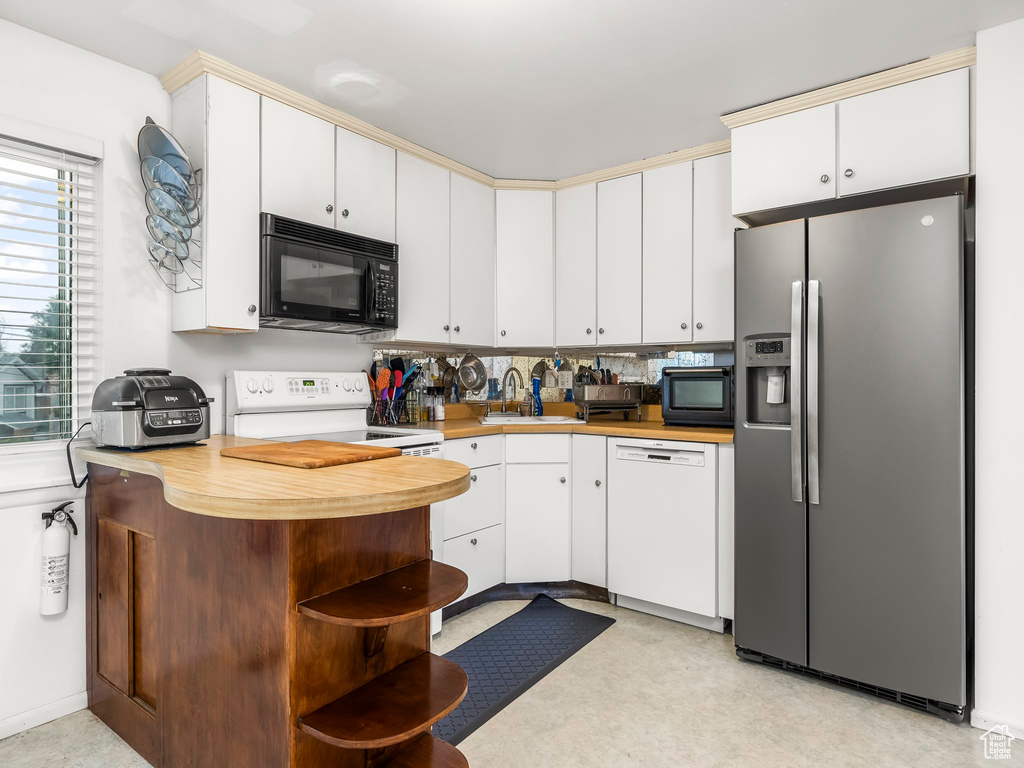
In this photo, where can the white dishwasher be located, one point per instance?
(662, 525)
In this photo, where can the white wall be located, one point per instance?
(999, 569)
(42, 660)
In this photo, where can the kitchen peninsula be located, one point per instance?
(261, 615)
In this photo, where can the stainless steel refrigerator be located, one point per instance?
(850, 450)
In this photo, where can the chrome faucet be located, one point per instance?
(504, 385)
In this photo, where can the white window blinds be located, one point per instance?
(49, 292)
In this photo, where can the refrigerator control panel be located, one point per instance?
(768, 352)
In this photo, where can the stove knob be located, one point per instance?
(268, 386)
(252, 385)
(359, 385)
(346, 384)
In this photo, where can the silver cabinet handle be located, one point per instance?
(344, 213)
(457, 329)
(252, 309)
(447, 328)
(848, 172)
(502, 333)
(472, 541)
(473, 446)
(473, 478)
(824, 178)
(597, 483)
(561, 479)
(796, 425)
(813, 364)
(683, 326)
(589, 331)
(600, 330)
(330, 208)
(699, 326)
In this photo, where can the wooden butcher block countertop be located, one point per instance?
(198, 479)
(654, 430)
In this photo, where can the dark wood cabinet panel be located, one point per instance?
(144, 619)
(113, 622)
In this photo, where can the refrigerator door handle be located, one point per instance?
(813, 372)
(796, 454)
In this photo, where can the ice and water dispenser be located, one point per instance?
(768, 386)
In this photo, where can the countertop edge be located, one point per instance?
(715, 435)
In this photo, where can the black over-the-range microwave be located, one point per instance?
(320, 279)
(698, 397)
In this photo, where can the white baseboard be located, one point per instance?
(715, 624)
(44, 714)
(986, 720)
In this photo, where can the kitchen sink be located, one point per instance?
(516, 418)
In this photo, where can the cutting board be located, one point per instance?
(310, 454)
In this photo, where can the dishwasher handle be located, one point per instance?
(659, 445)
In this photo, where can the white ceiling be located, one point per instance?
(533, 89)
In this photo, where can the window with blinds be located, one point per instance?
(49, 292)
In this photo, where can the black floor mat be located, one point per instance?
(505, 660)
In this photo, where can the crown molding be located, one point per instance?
(659, 161)
(936, 65)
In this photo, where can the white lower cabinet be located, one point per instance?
(537, 546)
(480, 555)
(479, 507)
(589, 510)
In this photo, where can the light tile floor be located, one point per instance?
(647, 692)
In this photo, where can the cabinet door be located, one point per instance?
(906, 134)
(576, 266)
(784, 160)
(113, 606)
(525, 268)
(537, 546)
(589, 510)
(364, 196)
(713, 228)
(668, 254)
(422, 234)
(619, 260)
(296, 164)
(472, 263)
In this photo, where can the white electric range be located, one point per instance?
(303, 405)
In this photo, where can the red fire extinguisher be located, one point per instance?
(56, 549)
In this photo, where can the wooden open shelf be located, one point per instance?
(398, 595)
(391, 708)
(427, 751)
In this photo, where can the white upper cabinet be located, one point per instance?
(296, 164)
(218, 124)
(784, 160)
(713, 230)
(422, 216)
(918, 131)
(364, 196)
(668, 254)
(472, 263)
(525, 268)
(619, 260)
(576, 266)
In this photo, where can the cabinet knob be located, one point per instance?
(683, 326)
(473, 478)
(848, 172)
(600, 330)
(252, 309)
(597, 483)
(699, 326)
(330, 208)
(824, 178)
(502, 333)
(447, 327)
(472, 541)
(344, 213)
(561, 479)
(457, 329)
(473, 446)
(589, 331)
